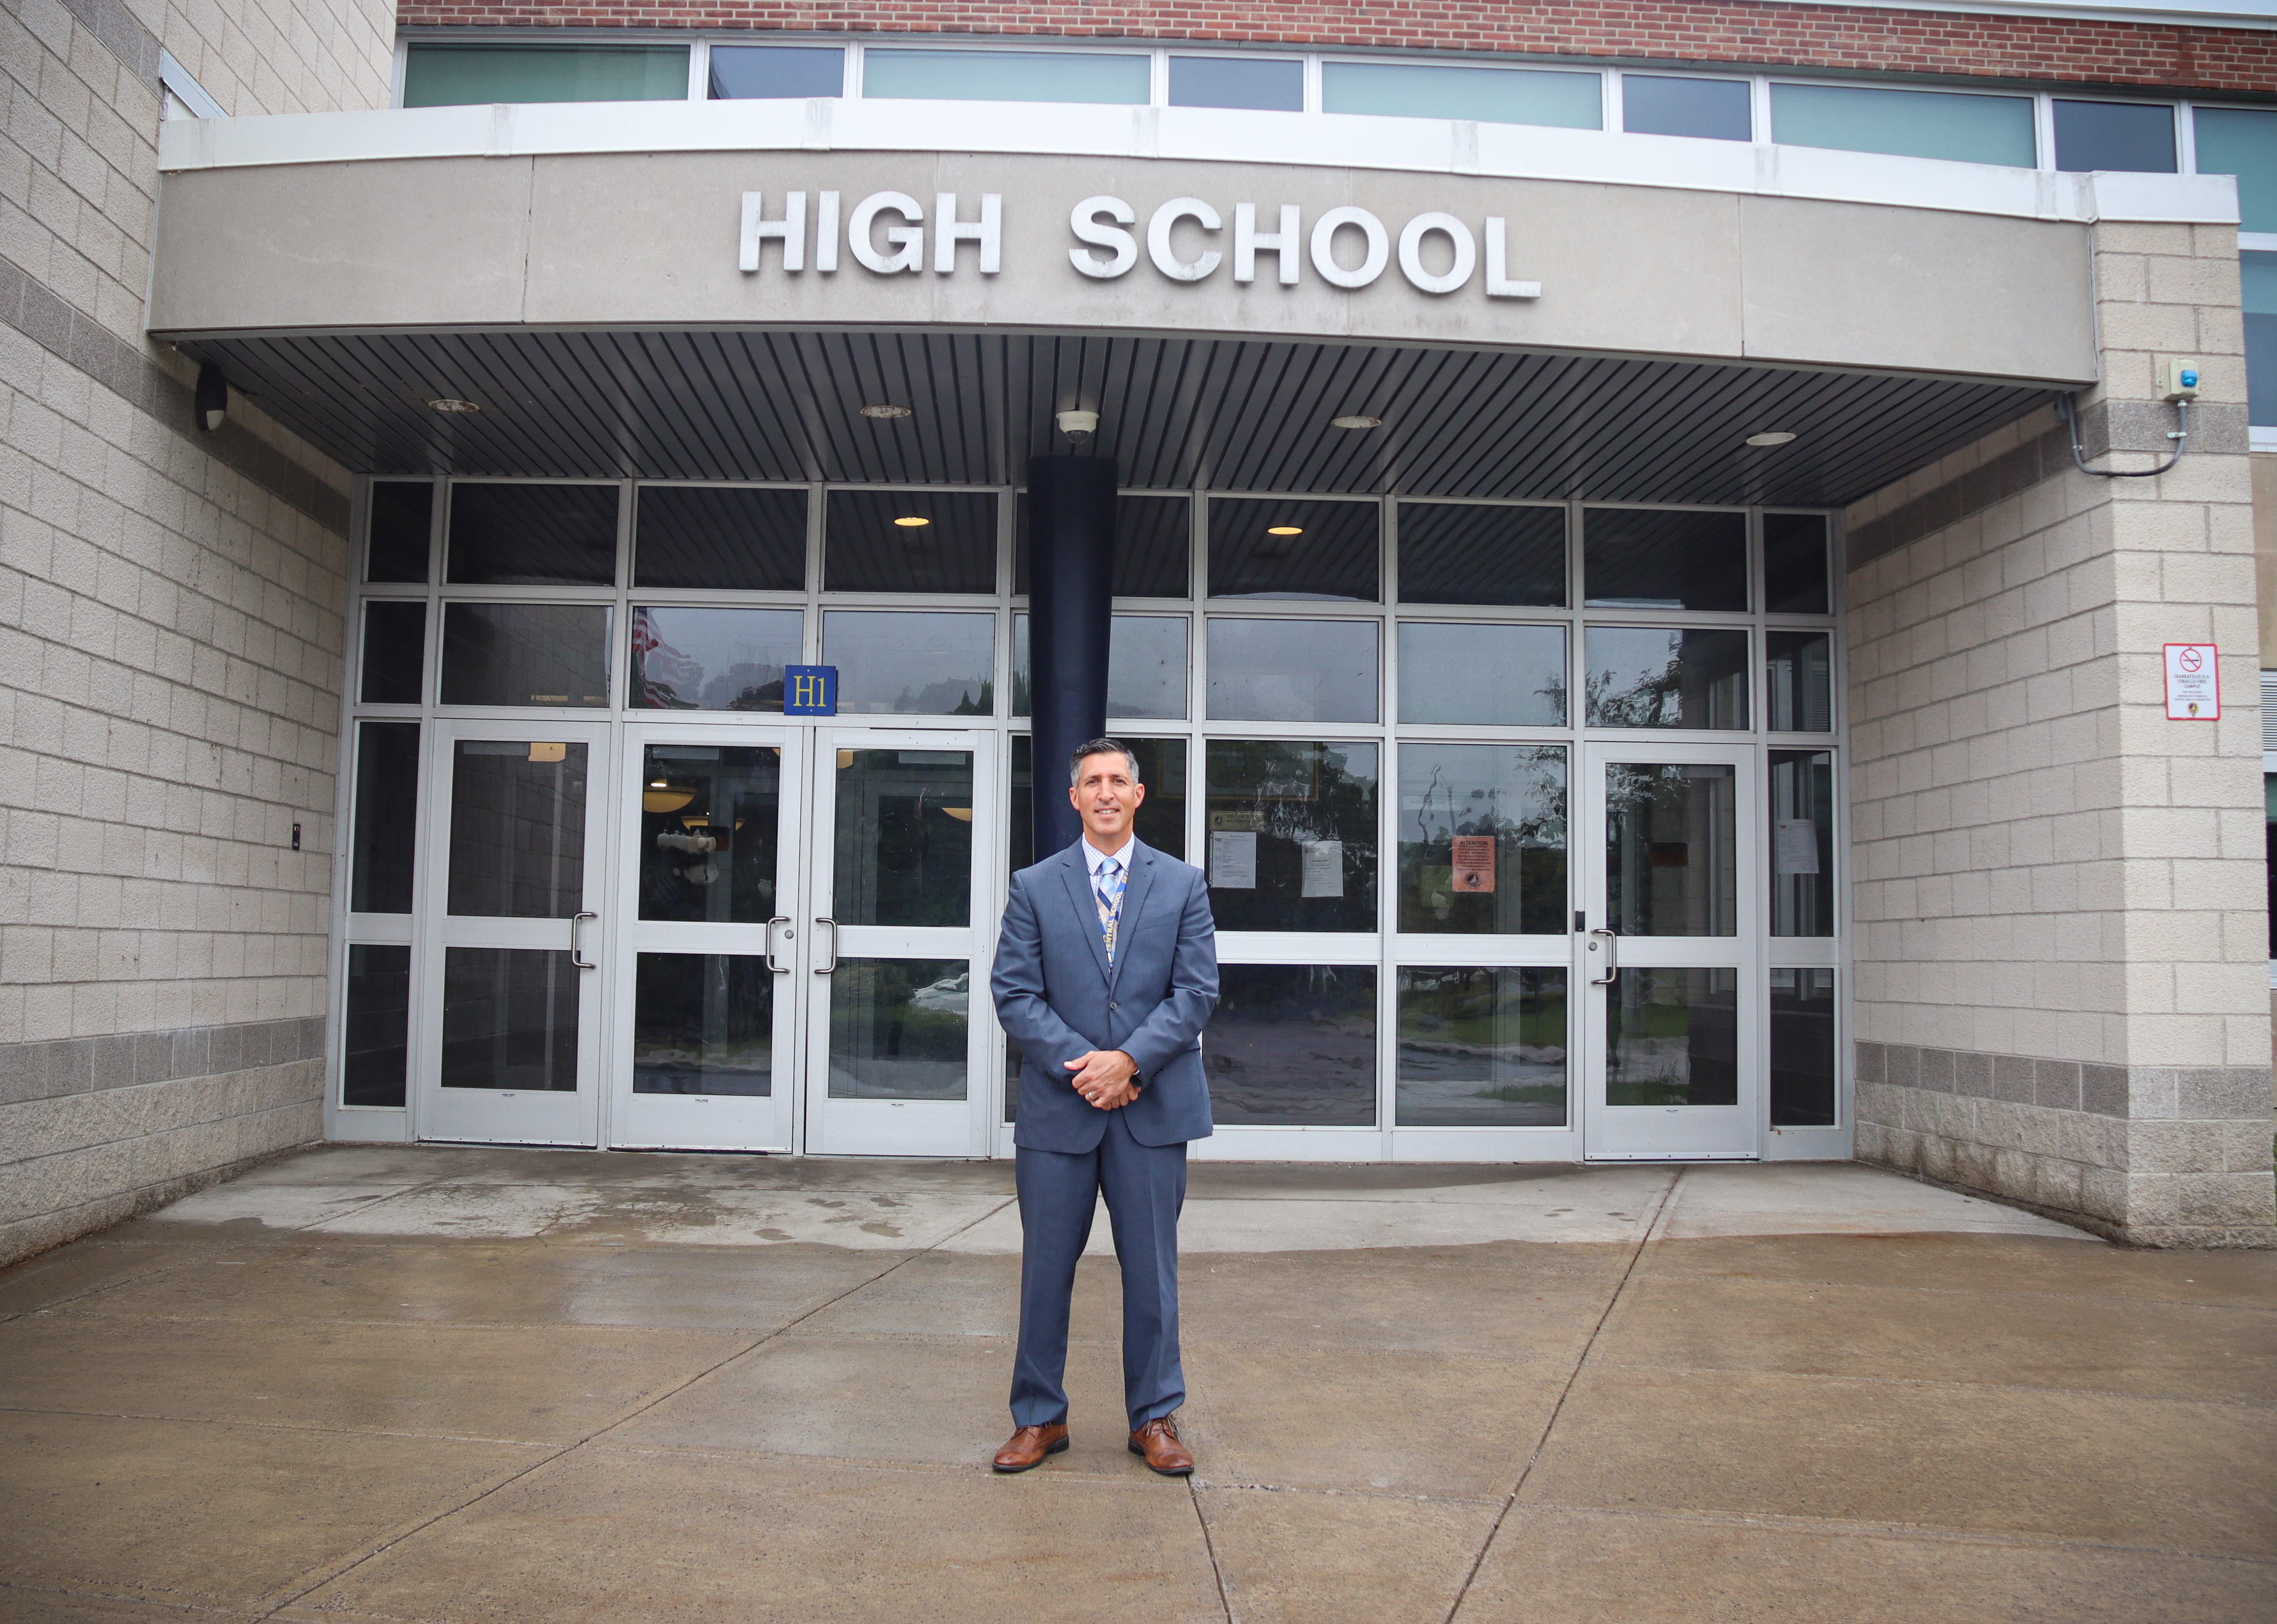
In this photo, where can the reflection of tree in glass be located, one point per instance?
(1653, 701)
(953, 699)
(1521, 806)
(1292, 795)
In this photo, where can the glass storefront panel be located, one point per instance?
(2243, 141)
(1293, 1045)
(1290, 670)
(1483, 838)
(1672, 1037)
(1663, 558)
(909, 541)
(1803, 1048)
(1794, 563)
(1802, 842)
(1910, 124)
(748, 72)
(1664, 676)
(703, 1023)
(1300, 547)
(1482, 1048)
(402, 515)
(449, 75)
(1113, 78)
(712, 660)
(533, 535)
(720, 537)
(517, 829)
(509, 1019)
(526, 653)
(710, 820)
(382, 844)
(898, 1028)
(1706, 109)
(1153, 546)
(1491, 96)
(1485, 675)
(1145, 668)
(1480, 553)
(904, 838)
(394, 651)
(898, 662)
(1291, 831)
(1672, 848)
(1161, 819)
(2137, 136)
(1266, 84)
(1799, 686)
(376, 1050)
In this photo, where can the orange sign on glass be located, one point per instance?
(1474, 863)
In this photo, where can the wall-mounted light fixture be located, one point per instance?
(211, 400)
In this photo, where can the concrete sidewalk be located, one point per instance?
(456, 1385)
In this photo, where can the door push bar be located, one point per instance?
(576, 952)
(1608, 959)
(781, 919)
(832, 964)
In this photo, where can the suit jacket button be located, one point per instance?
(1112, 1005)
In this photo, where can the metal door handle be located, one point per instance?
(781, 919)
(575, 920)
(1610, 955)
(832, 964)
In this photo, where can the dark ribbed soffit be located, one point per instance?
(1223, 414)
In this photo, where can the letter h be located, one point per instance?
(791, 230)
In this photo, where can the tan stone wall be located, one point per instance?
(170, 647)
(2061, 936)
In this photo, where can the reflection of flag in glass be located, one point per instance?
(664, 671)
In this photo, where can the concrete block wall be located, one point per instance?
(170, 645)
(2061, 930)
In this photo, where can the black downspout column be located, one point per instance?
(1071, 590)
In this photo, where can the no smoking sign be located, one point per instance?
(2193, 682)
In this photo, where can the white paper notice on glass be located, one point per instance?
(1233, 859)
(1796, 849)
(1324, 868)
(2193, 682)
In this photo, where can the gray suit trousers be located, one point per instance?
(1145, 1186)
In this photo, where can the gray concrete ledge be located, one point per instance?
(2136, 1092)
(88, 1065)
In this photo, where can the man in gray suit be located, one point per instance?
(1106, 971)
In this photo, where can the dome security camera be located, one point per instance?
(1078, 426)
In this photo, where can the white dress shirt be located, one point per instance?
(1093, 856)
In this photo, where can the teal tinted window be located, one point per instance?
(1914, 124)
(1492, 95)
(471, 75)
(1008, 76)
(2260, 336)
(2243, 141)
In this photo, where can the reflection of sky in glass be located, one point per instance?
(1655, 676)
(911, 665)
(1292, 670)
(713, 659)
(1146, 667)
(1492, 675)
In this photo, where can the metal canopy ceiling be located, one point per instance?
(1174, 412)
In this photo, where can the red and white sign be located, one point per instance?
(2193, 682)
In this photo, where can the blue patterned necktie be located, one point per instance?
(1107, 891)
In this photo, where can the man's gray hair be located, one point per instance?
(1099, 747)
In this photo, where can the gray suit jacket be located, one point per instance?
(1058, 997)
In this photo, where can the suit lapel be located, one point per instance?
(1077, 872)
(1135, 888)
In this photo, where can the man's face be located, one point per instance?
(1106, 797)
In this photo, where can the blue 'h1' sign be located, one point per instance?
(810, 690)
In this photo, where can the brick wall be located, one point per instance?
(2061, 932)
(1982, 45)
(171, 650)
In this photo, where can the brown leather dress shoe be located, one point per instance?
(1157, 1443)
(1029, 1445)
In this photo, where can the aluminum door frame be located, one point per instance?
(721, 1122)
(1672, 1132)
(957, 1128)
(513, 1116)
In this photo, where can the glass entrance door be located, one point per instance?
(706, 1012)
(896, 943)
(509, 1052)
(1669, 1045)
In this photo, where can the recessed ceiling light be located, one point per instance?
(1284, 529)
(912, 522)
(885, 412)
(449, 405)
(1356, 421)
(1776, 437)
